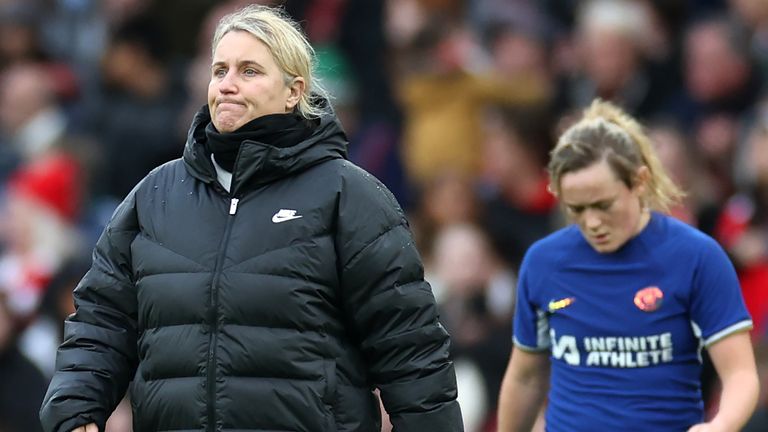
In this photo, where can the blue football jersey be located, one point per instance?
(625, 329)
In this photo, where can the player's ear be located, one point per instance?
(642, 177)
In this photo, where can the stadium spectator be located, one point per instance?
(140, 102)
(727, 85)
(611, 40)
(32, 122)
(22, 386)
(443, 99)
(684, 168)
(38, 232)
(753, 14)
(447, 200)
(517, 207)
(475, 293)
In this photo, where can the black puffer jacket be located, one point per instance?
(277, 307)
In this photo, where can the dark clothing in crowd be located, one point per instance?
(513, 229)
(279, 305)
(22, 387)
(131, 151)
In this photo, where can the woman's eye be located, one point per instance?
(219, 73)
(250, 72)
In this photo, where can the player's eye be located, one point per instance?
(604, 205)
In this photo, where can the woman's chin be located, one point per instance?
(226, 124)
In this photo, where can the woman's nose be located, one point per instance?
(591, 220)
(227, 83)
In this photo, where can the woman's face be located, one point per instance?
(246, 83)
(607, 212)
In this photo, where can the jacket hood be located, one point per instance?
(259, 163)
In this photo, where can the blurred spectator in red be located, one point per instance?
(38, 231)
(22, 386)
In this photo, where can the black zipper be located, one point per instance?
(213, 316)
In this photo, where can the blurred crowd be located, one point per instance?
(453, 104)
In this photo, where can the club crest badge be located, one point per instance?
(649, 299)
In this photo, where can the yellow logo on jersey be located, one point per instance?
(560, 304)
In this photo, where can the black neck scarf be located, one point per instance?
(278, 130)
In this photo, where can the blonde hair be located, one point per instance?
(605, 132)
(286, 42)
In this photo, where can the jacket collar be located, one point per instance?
(259, 163)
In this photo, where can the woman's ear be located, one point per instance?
(642, 177)
(296, 91)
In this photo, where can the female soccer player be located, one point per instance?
(613, 311)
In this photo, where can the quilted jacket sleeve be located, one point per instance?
(98, 356)
(392, 310)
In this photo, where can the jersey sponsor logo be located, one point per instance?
(649, 299)
(560, 304)
(285, 215)
(565, 348)
(614, 351)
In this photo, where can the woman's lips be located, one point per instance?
(223, 104)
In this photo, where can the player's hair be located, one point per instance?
(286, 42)
(605, 132)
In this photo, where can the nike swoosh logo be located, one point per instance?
(285, 215)
(560, 304)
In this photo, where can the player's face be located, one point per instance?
(246, 83)
(607, 211)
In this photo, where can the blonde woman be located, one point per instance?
(262, 282)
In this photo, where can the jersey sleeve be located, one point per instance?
(717, 306)
(531, 323)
